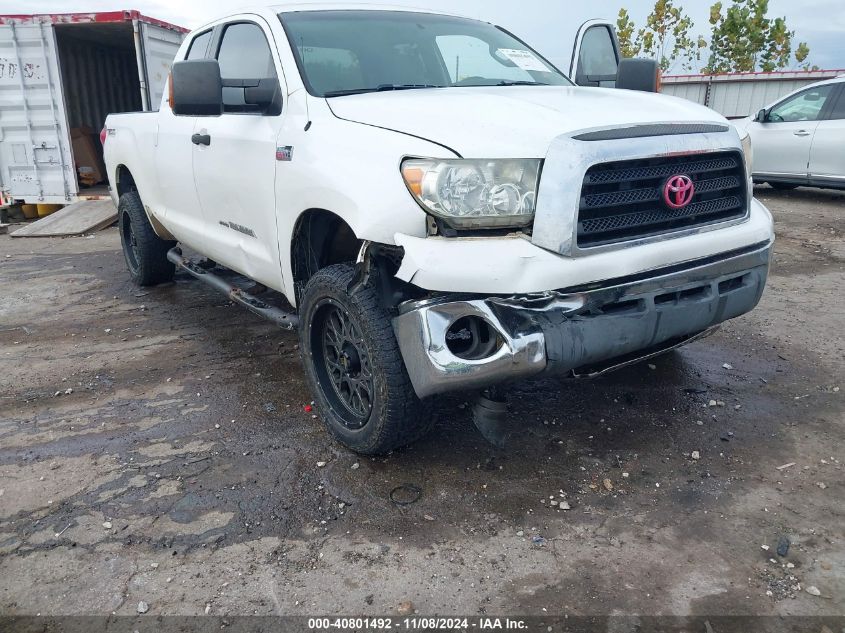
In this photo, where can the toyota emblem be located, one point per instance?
(678, 191)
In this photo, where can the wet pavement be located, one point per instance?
(154, 446)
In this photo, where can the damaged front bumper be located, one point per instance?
(585, 331)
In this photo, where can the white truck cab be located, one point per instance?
(444, 208)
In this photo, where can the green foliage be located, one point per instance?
(665, 36)
(744, 39)
(626, 32)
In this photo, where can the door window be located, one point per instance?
(838, 111)
(597, 62)
(199, 46)
(244, 56)
(805, 106)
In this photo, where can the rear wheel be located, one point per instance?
(354, 366)
(783, 186)
(144, 251)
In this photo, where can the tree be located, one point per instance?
(744, 39)
(665, 37)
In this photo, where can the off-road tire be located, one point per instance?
(396, 416)
(144, 251)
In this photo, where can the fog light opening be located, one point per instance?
(472, 338)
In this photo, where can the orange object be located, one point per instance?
(29, 211)
(414, 178)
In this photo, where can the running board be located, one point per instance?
(283, 319)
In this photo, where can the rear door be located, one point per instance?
(235, 173)
(595, 58)
(159, 48)
(782, 143)
(174, 162)
(827, 154)
(35, 156)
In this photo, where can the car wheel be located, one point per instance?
(783, 186)
(144, 251)
(354, 366)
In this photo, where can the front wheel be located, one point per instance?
(354, 366)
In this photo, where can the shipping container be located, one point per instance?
(60, 75)
(737, 95)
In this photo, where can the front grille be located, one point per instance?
(624, 200)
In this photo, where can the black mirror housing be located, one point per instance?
(761, 116)
(266, 96)
(196, 88)
(635, 73)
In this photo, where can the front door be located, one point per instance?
(179, 202)
(235, 165)
(782, 142)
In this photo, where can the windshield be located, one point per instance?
(350, 52)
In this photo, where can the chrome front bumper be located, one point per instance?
(585, 331)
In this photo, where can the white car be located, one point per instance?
(445, 208)
(800, 140)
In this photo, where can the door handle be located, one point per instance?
(201, 139)
(802, 133)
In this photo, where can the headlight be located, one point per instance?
(748, 153)
(475, 193)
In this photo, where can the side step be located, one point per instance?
(284, 320)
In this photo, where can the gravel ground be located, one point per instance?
(155, 447)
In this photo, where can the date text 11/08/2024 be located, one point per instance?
(416, 623)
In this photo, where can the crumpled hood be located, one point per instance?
(511, 121)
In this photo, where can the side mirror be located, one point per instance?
(762, 115)
(263, 95)
(635, 73)
(266, 96)
(195, 88)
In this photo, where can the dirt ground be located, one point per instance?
(154, 447)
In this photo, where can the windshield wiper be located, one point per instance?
(381, 88)
(507, 82)
(386, 87)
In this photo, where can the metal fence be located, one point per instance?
(736, 95)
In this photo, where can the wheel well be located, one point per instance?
(320, 239)
(124, 180)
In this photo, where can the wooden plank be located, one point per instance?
(85, 216)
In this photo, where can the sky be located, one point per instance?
(544, 24)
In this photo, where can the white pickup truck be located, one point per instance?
(441, 206)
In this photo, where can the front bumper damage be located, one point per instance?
(581, 331)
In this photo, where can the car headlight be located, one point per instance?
(475, 193)
(747, 153)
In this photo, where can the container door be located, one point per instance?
(159, 46)
(36, 164)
